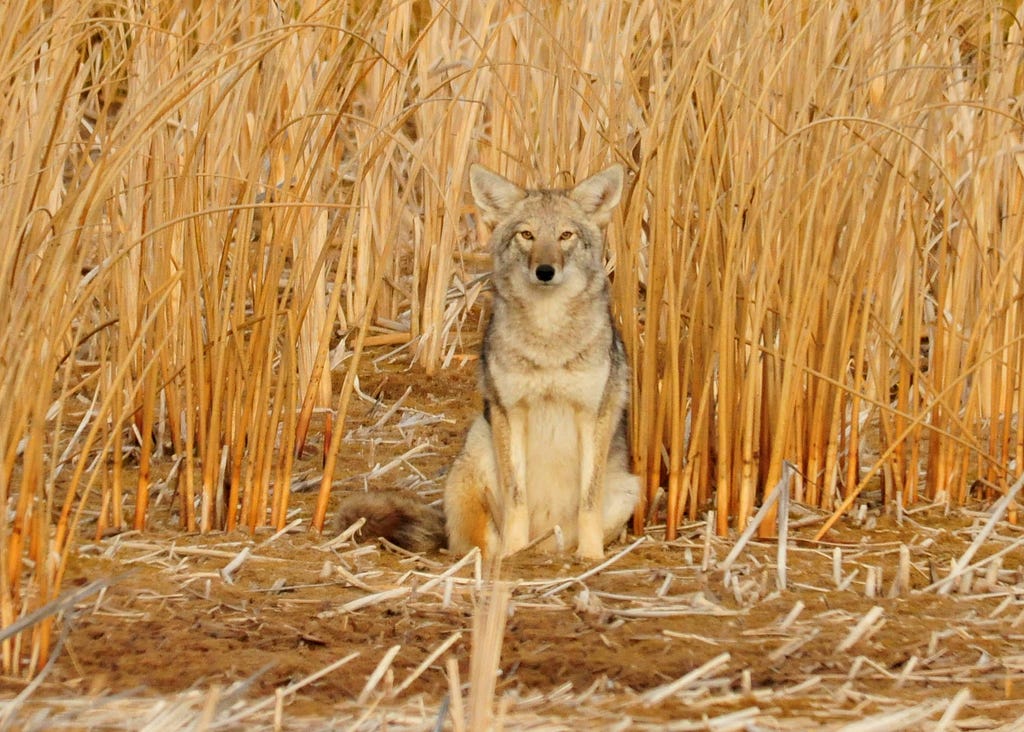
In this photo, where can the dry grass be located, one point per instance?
(311, 634)
(214, 207)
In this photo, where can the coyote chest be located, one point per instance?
(523, 383)
(537, 357)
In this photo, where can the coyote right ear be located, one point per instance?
(600, 193)
(493, 194)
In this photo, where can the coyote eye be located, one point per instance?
(526, 234)
(566, 235)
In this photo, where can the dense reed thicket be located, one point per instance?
(210, 206)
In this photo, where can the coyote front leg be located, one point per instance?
(594, 433)
(508, 430)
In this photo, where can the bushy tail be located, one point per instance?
(397, 516)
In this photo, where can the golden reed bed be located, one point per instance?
(212, 209)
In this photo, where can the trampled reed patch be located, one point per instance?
(213, 207)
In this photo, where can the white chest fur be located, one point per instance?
(552, 469)
(580, 387)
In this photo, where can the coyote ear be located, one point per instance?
(493, 194)
(600, 193)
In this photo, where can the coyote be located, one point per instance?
(550, 447)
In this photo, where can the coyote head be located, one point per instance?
(544, 238)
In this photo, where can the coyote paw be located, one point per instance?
(590, 553)
(517, 531)
(590, 558)
(591, 538)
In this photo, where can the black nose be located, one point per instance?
(545, 272)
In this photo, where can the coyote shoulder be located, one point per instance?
(550, 447)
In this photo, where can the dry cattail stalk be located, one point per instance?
(485, 658)
(860, 629)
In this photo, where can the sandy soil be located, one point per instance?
(659, 638)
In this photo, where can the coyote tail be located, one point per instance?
(396, 516)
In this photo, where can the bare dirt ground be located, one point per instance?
(295, 630)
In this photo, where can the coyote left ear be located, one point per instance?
(600, 193)
(493, 194)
